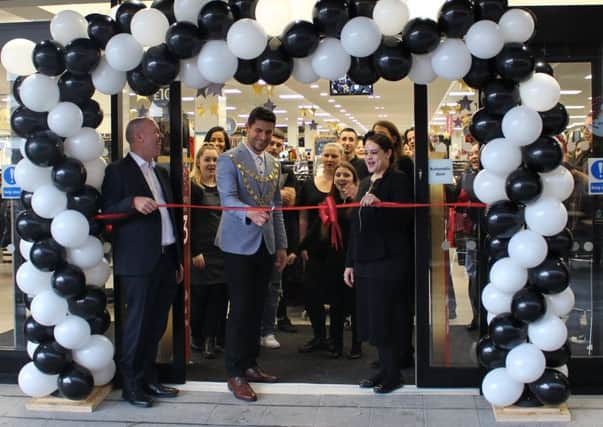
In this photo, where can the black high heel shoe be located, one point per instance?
(371, 381)
(385, 387)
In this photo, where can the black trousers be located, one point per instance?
(247, 277)
(148, 300)
(208, 310)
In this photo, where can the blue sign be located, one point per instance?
(596, 169)
(8, 176)
(10, 189)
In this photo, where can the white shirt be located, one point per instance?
(258, 160)
(147, 169)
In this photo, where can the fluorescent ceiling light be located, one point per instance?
(231, 91)
(244, 116)
(588, 77)
(331, 101)
(574, 107)
(314, 86)
(321, 114)
(337, 105)
(281, 126)
(230, 108)
(291, 96)
(570, 92)
(190, 113)
(280, 111)
(461, 93)
(577, 117)
(324, 94)
(188, 98)
(343, 110)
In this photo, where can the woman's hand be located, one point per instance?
(349, 191)
(291, 258)
(369, 199)
(199, 261)
(348, 276)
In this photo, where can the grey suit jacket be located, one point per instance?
(238, 186)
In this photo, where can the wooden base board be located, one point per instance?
(58, 404)
(541, 414)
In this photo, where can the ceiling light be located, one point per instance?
(337, 105)
(461, 93)
(243, 116)
(331, 101)
(230, 108)
(348, 115)
(377, 96)
(241, 124)
(588, 77)
(330, 120)
(321, 114)
(279, 111)
(577, 117)
(188, 98)
(574, 107)
(281, 126)
(570, 92)
(314, 86)
(291, 96)
(231, 91)
(190, 113)
(324, 94)
(343, 110)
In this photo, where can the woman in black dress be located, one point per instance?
(377, 261)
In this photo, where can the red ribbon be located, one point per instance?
(327, 211)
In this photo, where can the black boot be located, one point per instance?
(285, 325)
(209, 348)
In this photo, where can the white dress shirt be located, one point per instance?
(258, 160)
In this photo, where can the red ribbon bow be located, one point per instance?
(327, 211)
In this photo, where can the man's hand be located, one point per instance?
(348, 276)
(180, 274)
(291, 258)
(144, 205)
(259, 218)
(281, 259)
(199, 261)
(288, 196)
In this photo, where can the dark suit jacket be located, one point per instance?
(136, 239)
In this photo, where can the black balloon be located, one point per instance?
(515, 62)
(81, 56)
(499, 96)
(93, 115)
(76, 88)
(243, 8)
(300, 39)
(140, 84)
(86, 201)
(216, 18)
(362, 71)
(555, 120)
(37, 333)
(26, 198)
(497, 247)
(247, 71)
(16, 88)
(559, 357)
(523, 185)
(99, 324)
(274, 65)
(184, 39)
(50, 358)
(550, 277)
(485, 126)
(96, 227)
(125, 12)
(329, 16)
(47, 255)
(544, 155)
(392, 59)
(489, 9)
(528, 305)
(25, 122)
(166, 7)
(69, 175)
(159, 65)
(49, 58)
(481, 72)
(504, 219)
(506, 331)
(76, 382)
(527, 399)
(455, 18)
(101, 28)
(44, 148)
(560, 245)
(361, 8)
(69, 281)
(490, 356)
(31, 227)
(552, 388)
(421, 35)
(89, 305)
(541, 66)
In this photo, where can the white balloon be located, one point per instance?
(123, 52)
(508, 276)
(65, 119)
(547, 216)
(500, 389)
(525, 363)
(540, 92)
(558, 183)
(391, 16)
(31, 348)
(106, 79)
(490, 316)
(496, 301)
(527, 248)
(246, 39)
(560, 304)
(86, 145)
(273, 15)
(72, 333)
(31, 280)
(451, 60)
(30, 176)
(95, 173)
(70, 228)
(35, 383)
(104, 375)
(329, 60)
(500, 157)
(521, 125)
(216, 62)
(96, 354)
(99, 274)
(39, 93)
(302, 10)
(49, 309)
(421, 71)
(489, 187)
(190, 74)
(68, 25)
(48, 201)
(303, 71)
(360, 37)
(548, 333)
(188, 10)
(25, 248)
(16, 57)
(484, 39)
(87, 255)
(516, 25)
(149, 26)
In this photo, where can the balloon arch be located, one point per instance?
(203, 42)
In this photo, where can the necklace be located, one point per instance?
(271, 179)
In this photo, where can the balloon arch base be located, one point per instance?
(61, 404)
(541, 414)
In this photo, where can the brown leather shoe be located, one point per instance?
(259, 376)
(241, 389)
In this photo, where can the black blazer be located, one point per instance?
(136, 240)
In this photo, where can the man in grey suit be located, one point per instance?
(253, 241)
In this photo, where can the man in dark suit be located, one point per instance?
(348, 138)
(147, 257)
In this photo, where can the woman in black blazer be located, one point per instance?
(377, 262)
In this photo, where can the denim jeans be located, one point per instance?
(273, 295)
